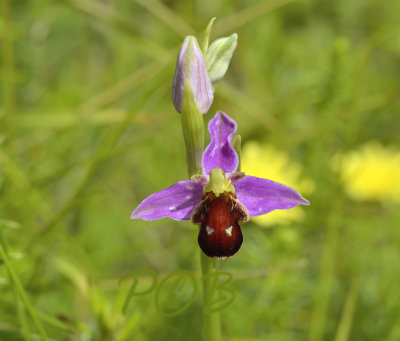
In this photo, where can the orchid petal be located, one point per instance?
(176, 202)
(219, 153)
(261, 196)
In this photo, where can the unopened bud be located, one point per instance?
(191, 71)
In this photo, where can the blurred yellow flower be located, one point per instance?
(370, 173)
(266, 162)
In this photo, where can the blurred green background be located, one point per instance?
(88, 130)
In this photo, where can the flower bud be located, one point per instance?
(219, 55)
(191, 71)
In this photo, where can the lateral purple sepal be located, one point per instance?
(176, 202)
(261, 196)
(190, 67)
(219, 153)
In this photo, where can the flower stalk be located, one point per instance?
(193, 133)
(212, 321)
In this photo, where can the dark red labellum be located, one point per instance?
(220, 235)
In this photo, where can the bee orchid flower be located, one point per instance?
(220, 198)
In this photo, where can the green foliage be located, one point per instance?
(88, 129)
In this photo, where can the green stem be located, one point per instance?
(347, 318)
(212, 322)
(22, 293)
(18, 302)
(325, 283)
(193, 131)
(7, 56)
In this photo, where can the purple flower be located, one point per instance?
(220, 198)
(191, 76)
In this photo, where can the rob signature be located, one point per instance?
(175, 292)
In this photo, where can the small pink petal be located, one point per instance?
(219, 153)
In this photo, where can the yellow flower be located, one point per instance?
(266, 162)
(370, 173)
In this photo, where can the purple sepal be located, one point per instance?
(176, 202)
(261, 196)
(190, 66)
(219, 153)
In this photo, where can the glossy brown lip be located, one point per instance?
(220, 235)
(220, 244)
